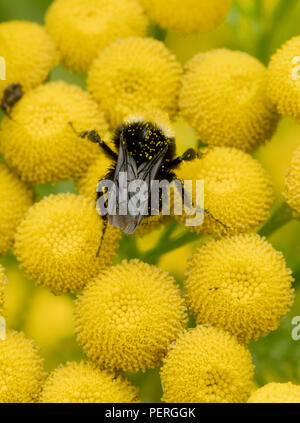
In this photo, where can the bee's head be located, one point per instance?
(150, 120)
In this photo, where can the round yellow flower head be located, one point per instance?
(237, 190)
(16, 198)
(21, 369)
(29, 54)
(40, 144)
(135, 74)
(189, 15)
(240, 284)
(84, 383)
(2, 285)
(224, 98)
(292, 182)
(276, 393)
(57, 242)
(207, 365)
(128, 315)
(81, 28)
(284, 78)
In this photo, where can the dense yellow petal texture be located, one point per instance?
(15, 199)
(40, 144)
(189, 15)
(57, 242)
(237, 190)
(223, 97)
(21, 369)
(2, 285)
(276, 393)
(81, 28)
(207, 365)
(29, 54)
(128, 315)
(292, 182)
(133, 75)
(240, 284)
(84, 383)
(284, 78)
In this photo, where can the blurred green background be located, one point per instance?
(258, 27)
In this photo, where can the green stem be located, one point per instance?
(128, 248)
(257, 10)
(152, 256)
(166, 234)
(279, 218)
(158, 33)
(264, 41)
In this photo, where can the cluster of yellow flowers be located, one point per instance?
(132, 316)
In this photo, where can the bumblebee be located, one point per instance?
(146, 151)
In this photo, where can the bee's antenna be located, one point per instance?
(102, 236)
(94, 137)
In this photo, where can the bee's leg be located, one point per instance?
(93, 136)
(186, 199)
(188, 156)
(102, 236)
(6, 109)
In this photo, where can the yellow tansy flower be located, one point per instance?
(284, 77)
(16, 198)
(276, 393)
(292, 182)
(40, 144)
(188, 15)
(21, 369)
(207, 365)
(237, 190)
(240, 284)
(57, 242)
(81, 28)
(29, 54)
(84, 383)
(134, 75)
(224, 98)
(128, 315)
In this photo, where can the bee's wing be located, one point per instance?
(146, 172)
